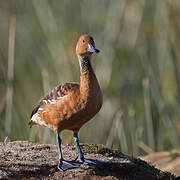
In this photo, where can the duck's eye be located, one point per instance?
(83, 41)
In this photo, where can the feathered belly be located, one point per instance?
(87, 110)
(76, 121)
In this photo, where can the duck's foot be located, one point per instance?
(94, 162)
(91, 162)
(65, 165)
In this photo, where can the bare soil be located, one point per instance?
(28, 160)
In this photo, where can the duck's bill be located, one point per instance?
(92, 49)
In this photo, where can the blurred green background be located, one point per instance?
(138, 68)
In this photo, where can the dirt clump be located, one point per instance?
(28, 160)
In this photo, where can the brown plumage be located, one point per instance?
(71, 105)
(55, 94)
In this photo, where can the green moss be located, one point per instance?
(29, 159)
(91, 148)
(97, 149)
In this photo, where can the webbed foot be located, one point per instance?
(65, 165)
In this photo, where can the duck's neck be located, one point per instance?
(85, 63)
(88, 78)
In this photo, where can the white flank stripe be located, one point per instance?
(40, 121)
(53, 102)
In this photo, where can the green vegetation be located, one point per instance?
(138, 68)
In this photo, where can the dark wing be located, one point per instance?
(59, 91)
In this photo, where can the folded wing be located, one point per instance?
(57, 94)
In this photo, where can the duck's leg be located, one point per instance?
(81, 155)
(63, 164)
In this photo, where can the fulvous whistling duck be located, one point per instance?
(70, 105)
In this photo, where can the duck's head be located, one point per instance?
(85, 46)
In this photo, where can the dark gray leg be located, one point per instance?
(76, 142)
(59, 147)
(64, 165)
(81, 155)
